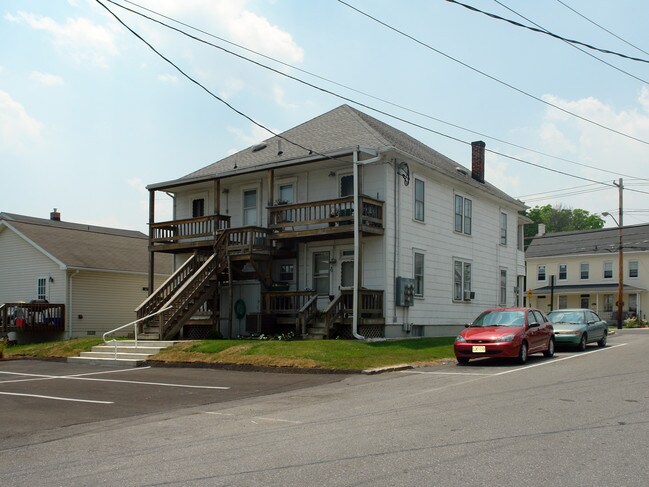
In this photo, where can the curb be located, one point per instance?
(392, 368)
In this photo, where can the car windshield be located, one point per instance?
(500, 318)
(566, 317)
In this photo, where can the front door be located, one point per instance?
(321, 265)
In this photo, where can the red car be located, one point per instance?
(505, 332)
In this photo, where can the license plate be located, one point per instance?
(479, 349)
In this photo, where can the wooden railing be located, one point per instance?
(246, 240)
(31, 316)
(333, 212)
(342, 306)
(286, 302)
(307, 314)
(190, 228)
(157, 299)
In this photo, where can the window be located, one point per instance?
(461, 279)
(503, 287)
(563, 301)
(41, 288)
(419, 274)
(321, 272)
(584, 270)
(250, 207)
(503, 228)
(584, 301)
(463, 215)
(540, 273)
(285, 193)
(198, 208)
(419, 200)
(563, 272)
(347, 185)
(521, 238)
(608, 302)
(286, 272)
(608, 270)
(633, 303)
(633, 268)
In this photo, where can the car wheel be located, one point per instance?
(462, 360)
(582, 343)
(550, 351)
(602, 341)
(522, 354)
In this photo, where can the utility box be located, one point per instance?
(405, 292)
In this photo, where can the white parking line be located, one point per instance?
(55, 398)
(440, 373)
(164, 384)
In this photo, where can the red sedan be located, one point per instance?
(505, 332)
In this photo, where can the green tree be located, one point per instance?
(558, 218)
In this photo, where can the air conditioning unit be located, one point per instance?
(469, 295)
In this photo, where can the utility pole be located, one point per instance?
(620, 281)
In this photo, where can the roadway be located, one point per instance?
(575, 419)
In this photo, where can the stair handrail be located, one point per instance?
(167, 282)
(134, 323)
(307, 312)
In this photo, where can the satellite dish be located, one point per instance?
(404, 171)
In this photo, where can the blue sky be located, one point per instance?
(89, 115)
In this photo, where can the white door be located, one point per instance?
(321, 276)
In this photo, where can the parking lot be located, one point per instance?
(36, 396)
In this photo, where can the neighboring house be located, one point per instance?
(87, 279)
(581, 270)
(280, 237)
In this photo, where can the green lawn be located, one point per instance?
(326, 354)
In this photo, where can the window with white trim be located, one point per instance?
(563, 272)
(41, 288)
(463, 214)
(250, 207)
(503, 228)
(608, 270)
(608, 302)
(461, 279)
(563, 301)
(633, 268)
(503, 287)
(540, 273)
(584, 270)
(419, 274)
(419, 200)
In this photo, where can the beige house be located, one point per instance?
(580, 270)
(63, 280)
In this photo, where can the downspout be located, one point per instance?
(70, 304)
(396, 242)
(358, 211)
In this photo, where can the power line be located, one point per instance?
(576, 47)
(601, 27)
(297, 79)
(344, 86)
(493, 78)
(547, 32)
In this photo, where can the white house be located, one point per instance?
(340, 226)
(86, 279)
(581, 270)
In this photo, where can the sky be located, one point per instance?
(90, 115)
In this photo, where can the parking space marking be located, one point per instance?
(440, 373)
(259, 418)
(55, 398)
(164, 384)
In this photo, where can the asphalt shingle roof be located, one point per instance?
(343, 128)
(601, 241)
(81, 246)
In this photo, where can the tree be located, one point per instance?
(558, 218)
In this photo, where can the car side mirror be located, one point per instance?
(534, 324)
(466, 325)
(591, 322)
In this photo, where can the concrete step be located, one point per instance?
(121, 355)
(145, 343)
(128, 349)
(105, 361)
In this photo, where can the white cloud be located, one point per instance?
(47, 79)
(17, 129)
(83, 39)
(254, 136)
(167, 78)
(239, 24)
(280, 98)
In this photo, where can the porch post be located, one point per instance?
(151, 253)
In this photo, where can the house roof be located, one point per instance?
(78, 246)
(341, 130)
(635, 238)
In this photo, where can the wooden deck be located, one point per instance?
(31, 316)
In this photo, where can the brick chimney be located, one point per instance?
(477, 160)
(55, 216)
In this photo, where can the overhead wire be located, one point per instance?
(576, 47)
(491, 77)
(602, 27)
(344, 86)
(304, 82)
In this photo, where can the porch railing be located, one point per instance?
(32, 316)
(190, 228)
(246, 240)
(286, 302)
(342, 306)
(332, 212)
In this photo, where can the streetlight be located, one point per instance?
(620, 281)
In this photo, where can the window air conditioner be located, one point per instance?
(469, 295)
